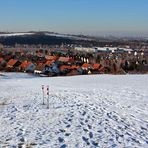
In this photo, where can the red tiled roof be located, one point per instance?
(86, 65)
(63, 67)
(25, 64)
(50, 58)
(102, 69)
(96, 66)
(49, 62)
(11, 62)
(75, 67)
(1, 59)
(40, 67)
(65, 59)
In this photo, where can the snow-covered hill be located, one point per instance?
(85, 111)
(15, 34)
(45, 38)
(66, 36)
(73, 37)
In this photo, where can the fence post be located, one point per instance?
(48, 97)
(43, 94)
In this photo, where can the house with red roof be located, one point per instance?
(40, 68)
(1, 59)
(65, 59)
(49, 63)
(95, 68)
(75, 67)
(51, 58)
(30, 67)
(13, 65)
(2, 63)
(74, 70)
(64, 69)
(86, 66)
(27, 66)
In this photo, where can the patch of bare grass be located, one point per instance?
(3, 103)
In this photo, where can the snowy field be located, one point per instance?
(103, 111)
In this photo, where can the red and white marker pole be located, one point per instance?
(48, 97)
(43, 94)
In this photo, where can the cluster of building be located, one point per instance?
(50, 66)
(78, 61)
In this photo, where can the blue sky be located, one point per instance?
(119, 17)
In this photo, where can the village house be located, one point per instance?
(40, 69)
(2, 62)
(55, 69)
(23, 66)
(64, 69)
(49, 71)
(51, 58)
(86, 68)
(95, 68)
(66, 60)
(106, 64)
(49, 63)
(30, 67)
(74, 70)
(27, 67)
(13, 65)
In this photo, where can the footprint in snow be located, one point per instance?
(89, 126)
(85, 130)
(20, 145)
(63, 146)
(143, 128)
(19, 134)
(84, 113)
(88, 117)
(86, 121)
(114, 145)
(67, 126)
(70, 120)
(67, 134)
(85, 140)
(90, 135)
(81, 123)
(22, 139)
(99, 131)
(61, 139)
(94, 143)
(62, 130)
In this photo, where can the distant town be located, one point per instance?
(68, 60)
(54, 54)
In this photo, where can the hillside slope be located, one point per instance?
(84, 111)
(43, 38)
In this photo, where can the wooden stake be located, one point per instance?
(43, 94)
(48, 97)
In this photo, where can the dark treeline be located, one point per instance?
(53, 40)
(33, 39)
